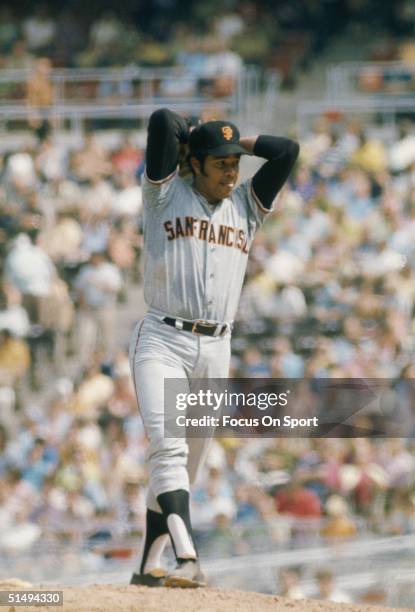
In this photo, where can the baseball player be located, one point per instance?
(197, 237)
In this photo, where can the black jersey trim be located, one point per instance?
(258, 202)
(161, 181)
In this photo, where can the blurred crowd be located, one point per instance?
(330, 287)
(206, 41)
(289, 580)
(389, 70)
(206, 45)
(70, 243)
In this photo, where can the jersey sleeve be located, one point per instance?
(257, 213)
(166, 132)
(281, 155)
(159, 194)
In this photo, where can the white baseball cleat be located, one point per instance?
(186, 575)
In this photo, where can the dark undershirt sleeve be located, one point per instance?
(166, 132)
(281, 154)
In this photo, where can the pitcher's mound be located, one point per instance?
(108, 598)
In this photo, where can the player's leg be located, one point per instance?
(168, 476)
(212, 362)
(176, 509)
(166, 461)
(166, 457)
(150, 571)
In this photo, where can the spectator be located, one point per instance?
(20, 172)
(20, 58)
(289, 583)
(219, 541)
(91, 160)
(401, 514)
(127, 158)
(98, 196)
(213, 499)
(297, 501)
(13, 316)
(39, 85)
(245, 498)
(283, 266)
(14, 359)
(128, 201)
(131, 503)
(254, 364)
(62, 195)
(63, 242)
(123, 244)
(50, 161)
(192, 58)
(94, 391)
(339, 524)
(122, 402)
(285, 363)
(97, 285)
(37, 465)
(39, 30)
(96, 232)
(370, 155)
(30, 270)
(327, 589)
(40, 97)
(228, 24)
(223, 66)
(106, 30)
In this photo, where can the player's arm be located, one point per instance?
(281, 155)
(166, 133)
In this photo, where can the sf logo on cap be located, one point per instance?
(227, 132)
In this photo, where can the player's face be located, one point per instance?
(218, 177)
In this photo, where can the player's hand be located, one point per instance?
(184, 154)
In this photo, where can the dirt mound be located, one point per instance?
(108, 598)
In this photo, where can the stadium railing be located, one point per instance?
(366, 562)
(374, 79)
(381, 91)
(386, 111)
(124, 93)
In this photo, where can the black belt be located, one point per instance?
(197, 327)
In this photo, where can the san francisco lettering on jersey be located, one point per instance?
(186, 227)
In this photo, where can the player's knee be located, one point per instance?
(168, 450)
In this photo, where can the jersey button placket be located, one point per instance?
(210, 276)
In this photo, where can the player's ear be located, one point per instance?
(195, 165)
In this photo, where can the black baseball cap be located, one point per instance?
(215, 138)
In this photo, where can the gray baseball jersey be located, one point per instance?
(195, 254)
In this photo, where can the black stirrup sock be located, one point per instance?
(155, 540)
(175, 506)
